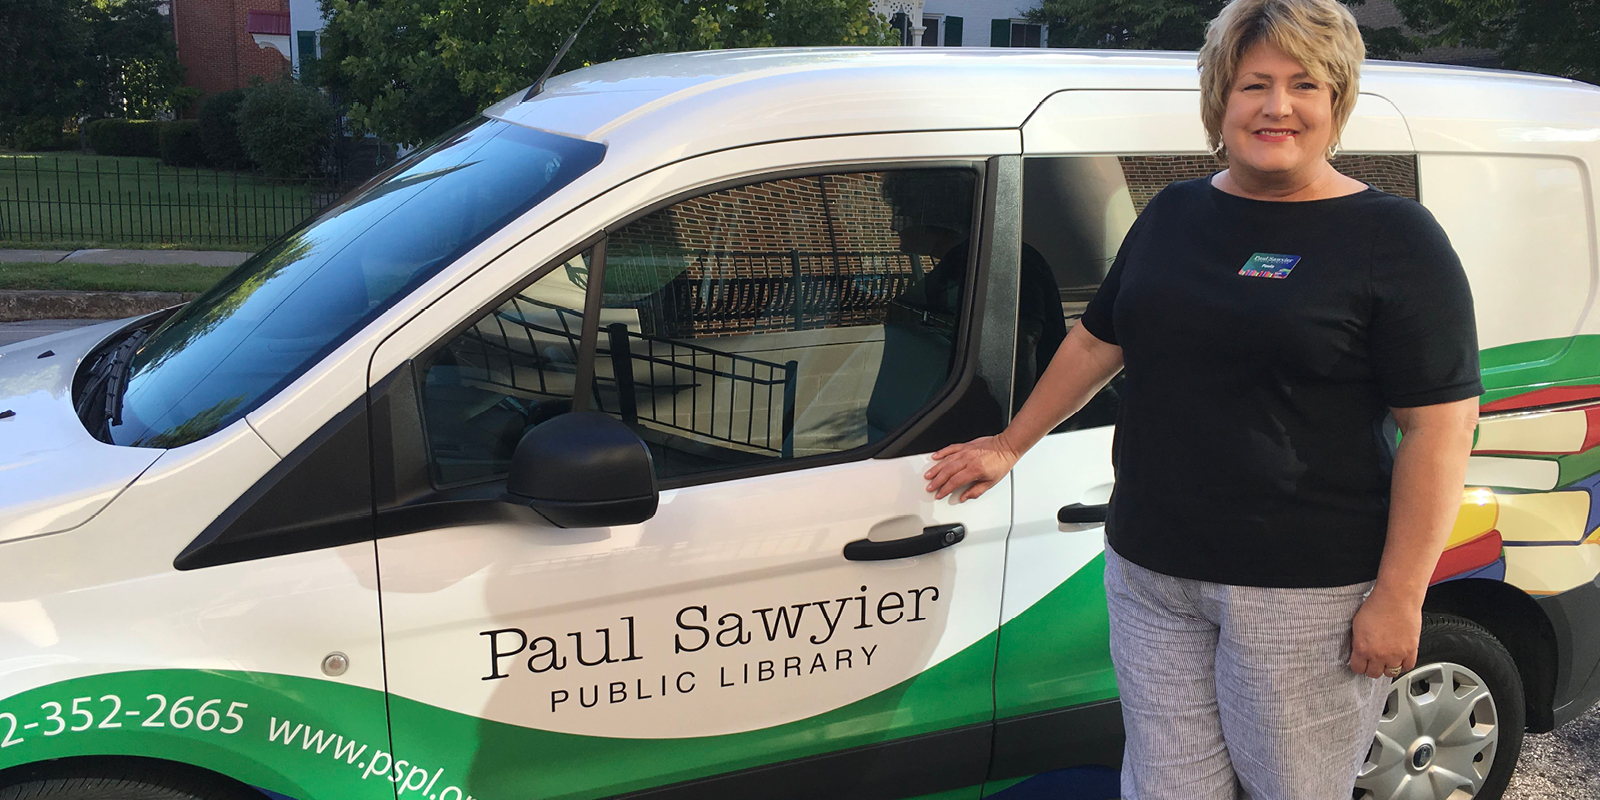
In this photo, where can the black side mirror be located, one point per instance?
(585, 469)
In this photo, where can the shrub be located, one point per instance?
(219, 130)
(39, 133)
(286, 129)
(180, 144)
(125, 137)
(183, 99)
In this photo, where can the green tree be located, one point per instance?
(1557, 37)
(66, 58)
(1166, 25)
(410, 69)
(286, 129)
(134, 60)
(44, 46)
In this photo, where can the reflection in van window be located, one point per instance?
(294, 302)
(787, 318)
(754, 324)
(509, 371)
(1075, 212)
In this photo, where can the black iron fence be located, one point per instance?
(50, 198)
(725, 292)
(767, 389)
(529, 348)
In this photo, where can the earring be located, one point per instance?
(1219, 150)
(1333, 151)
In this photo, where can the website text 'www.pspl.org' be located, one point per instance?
(406, 776)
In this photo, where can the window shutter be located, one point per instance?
(999, 33)
(952, 31)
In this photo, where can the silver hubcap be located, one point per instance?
(1436, 739)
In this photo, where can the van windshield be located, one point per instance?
(270, 320)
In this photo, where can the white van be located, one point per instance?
(334, 531)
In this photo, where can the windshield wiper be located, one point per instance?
(117, 373)
(100, 404)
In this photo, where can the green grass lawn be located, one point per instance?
(111, 277)
(50, 199)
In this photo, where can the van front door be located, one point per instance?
(790, 347)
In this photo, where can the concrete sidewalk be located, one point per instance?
(209, 258)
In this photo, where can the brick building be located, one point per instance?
(1147, 175)
(741, 257)
(224, 43)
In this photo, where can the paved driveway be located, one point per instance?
(1562, 765)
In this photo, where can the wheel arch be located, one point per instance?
(1516, 619)
(122, 767)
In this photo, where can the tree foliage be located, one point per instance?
(133, 69)
(1166, 25)
(1127, 24)
(286, 129)
(410, 69)
(44, 45)
(66, 58)
(1557, 37)
(219, 130)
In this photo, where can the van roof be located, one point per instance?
(695, 102)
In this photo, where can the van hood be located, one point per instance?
(53, 475)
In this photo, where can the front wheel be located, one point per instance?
(1452, 727)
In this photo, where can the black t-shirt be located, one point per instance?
(1264, 343)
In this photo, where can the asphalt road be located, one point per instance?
(1562, 765)
(12, 332)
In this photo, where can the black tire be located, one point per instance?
(1455, 640)
(118, 779)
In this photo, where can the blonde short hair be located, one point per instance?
(1320, 34)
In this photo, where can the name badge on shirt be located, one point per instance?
(1269, 265)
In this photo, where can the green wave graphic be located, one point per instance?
(318, 739)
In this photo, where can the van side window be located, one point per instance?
(1075, 212)
(511, 370)
(785, 318)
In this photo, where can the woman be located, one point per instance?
(1269, 546)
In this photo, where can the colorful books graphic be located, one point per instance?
(1529, 516)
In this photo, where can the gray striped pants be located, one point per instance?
(1237, 691)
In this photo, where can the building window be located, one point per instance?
(306, 52)
(902, 23)
(1014, 33)
(930, 36)
(952, 31)
(1024, 34)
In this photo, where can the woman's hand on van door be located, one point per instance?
(977, 465)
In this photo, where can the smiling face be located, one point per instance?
(1279, 119)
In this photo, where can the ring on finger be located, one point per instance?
(1393, 672)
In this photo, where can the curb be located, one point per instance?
(21, 305)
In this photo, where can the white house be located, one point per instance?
(305, 24)
(964, 23)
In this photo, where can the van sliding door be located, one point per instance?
(1092, 160)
